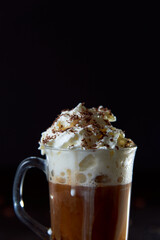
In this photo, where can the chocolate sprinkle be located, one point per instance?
(93, 121)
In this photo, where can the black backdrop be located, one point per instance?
(52, 58)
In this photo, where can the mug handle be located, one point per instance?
(18, 203)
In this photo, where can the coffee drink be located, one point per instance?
(90, 167)
(89, 193)
(97, 213)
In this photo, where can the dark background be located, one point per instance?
(52, 58)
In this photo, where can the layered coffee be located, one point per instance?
(90, 165)
(90, 195)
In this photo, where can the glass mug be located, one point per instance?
(89, 193)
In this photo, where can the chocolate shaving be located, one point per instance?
(88, 122)
(48, 138)
(107, 122)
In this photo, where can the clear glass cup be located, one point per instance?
(89, 193)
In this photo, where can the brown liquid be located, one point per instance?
(92, 213)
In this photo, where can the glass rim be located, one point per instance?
(90, 149)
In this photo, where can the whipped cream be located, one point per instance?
(83, 148)
(84, 128)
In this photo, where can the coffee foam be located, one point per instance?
(90, 167)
